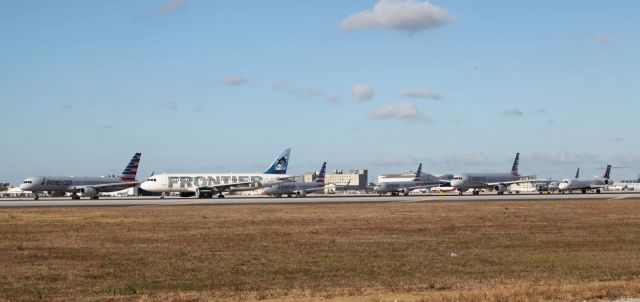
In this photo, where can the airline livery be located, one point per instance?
(298, 188)
(204, 185)
(58, 186)
(404, 187)
(498, 182)
(586, 184)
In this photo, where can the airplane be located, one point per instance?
(298, 188)
(404, 187)
(204, 185)
(498, 182)
(586, 184)
(58, 186)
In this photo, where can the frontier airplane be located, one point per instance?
(204, 185)
(58, 186)
(298, 188)
(586, 184)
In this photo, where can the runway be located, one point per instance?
(320, 199)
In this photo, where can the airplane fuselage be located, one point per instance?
(584, 183)
(467, 181)
(71, 183)
(291, 188)
(188, 182)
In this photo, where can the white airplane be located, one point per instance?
(298, 188)
(78, 186)
(586, 184)
(204, 185)
(498, 182)
(419, 181)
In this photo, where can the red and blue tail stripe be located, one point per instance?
(129, 173)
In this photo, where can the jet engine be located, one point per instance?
(301, 193)
(500, 188)
(608, 182)
(89, 191)
(405, 191)
(56, 194)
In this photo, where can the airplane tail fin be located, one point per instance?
(418, 173)
(516, 165)
(607, 173)
(320, 179)
(578, 173)
(129, 173)
(280, 164)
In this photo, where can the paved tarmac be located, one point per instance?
(319, 199)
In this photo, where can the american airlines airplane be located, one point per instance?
(586, 184)
(498, 182)
(78, 186)
(404, 187)
(298, 188)
(204, 185)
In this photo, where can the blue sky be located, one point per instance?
(224, 86)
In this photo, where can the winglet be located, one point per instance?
(516, 164)
(279, 165)
(578, 173)
(607, 173)
(320, 179)
(418, 173)
(129, 173)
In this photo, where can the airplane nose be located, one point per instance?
(145, 186)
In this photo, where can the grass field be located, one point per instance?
(459, 251)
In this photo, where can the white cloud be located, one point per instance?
(235, 80)
(402, 15)
(362, 92)
(170, 6)
(602, 39)
(513, 112)
(404, 111)
(420, 94)
(280, 84)
(171, 106)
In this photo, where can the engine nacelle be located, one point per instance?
(405, 191)
(89, 191)
(187, 194)
(204, 193)
(608, 182)
(57, 194)
(301, 193)
(500, 188)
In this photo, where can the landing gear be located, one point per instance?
(289, 195)
(476, 192)
(460, 193)
(584, 191)
(35, 196)
(220, 195)
(379, 194)
(406, 194)
(597, 191)
(75, 196)
(95, 197)
(162, 196)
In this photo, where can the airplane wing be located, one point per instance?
(506, 183)
(424, 186)
(107, 185)
(227, 187)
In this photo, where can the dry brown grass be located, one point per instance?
(506, 251)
